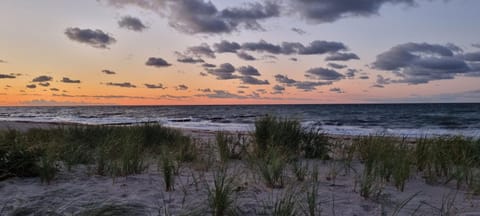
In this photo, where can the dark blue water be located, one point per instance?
(400, 119)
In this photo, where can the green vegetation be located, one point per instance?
(220, 195)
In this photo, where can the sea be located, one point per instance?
(411, 120)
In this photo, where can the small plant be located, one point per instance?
(167, 167)
(278, 133)
(315, 144)
(300, 169)
(220, 196)
(370, 186)
(48, 166)
(312, 209)
(285, 205)
(272, 168)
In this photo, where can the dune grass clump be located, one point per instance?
(278, 133)
(17, 159)
(272, 168)
(221, 194)
(230, 146)
(385, 159)
(315, 144)
(453, 158)
(168, 171)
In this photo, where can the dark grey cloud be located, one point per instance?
(288, 48)
(44, 84)
(157, 62)
(337, 90)
(95, 38)
(131, 23)
(382, 80)
(222, 94)
(324, 74)
(351, 73)
(203, 50)
(473, 57)
(324, 11)
(364, 77)
(42, 78)
(54, 89)
(417, 63)
(243, 87)
(205, 90)
(245, 56)
(241, 92)
(190, 60)
(248, 71)
(310, 86)
(7, 76)
(226, 47)
(223, 72)
(476, 45)
(203, 74)
(123, 85)
(181, 87)
(68, 80)
(278, 89)
(293, 59)
(336, 66)
(199, 16)
(155, 86)
(250, 80)
(108, 72)
(322, 47)
(207, 65)
(298, 31)
(284, 79)
(378, 86)
(31, 86)
(342, 57)
(262, 46)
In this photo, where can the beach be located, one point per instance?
(80, 191)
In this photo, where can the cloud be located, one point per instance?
(336, 66)
(207, 65)
(68, 80)
(42, 78)
(248, 71)
(3, 61)
(95, 38)
(324, 74)
(123, 85)
(155, 86)
(278, 89)
(293, 59)
(284, 79)
(203, 74)
(245, 56)
(298, 31)
(157, 62)
(226, 47)
(202, 50)
(337, 90)
(41, 102)
(310, 86)
(250, 80)
(190, 60)
(181, 87)
(7, 76)
(417, 63)
(351, 73)
(54, 89)
(364, 77)
(326, 11)
(476, 45)
(221, 94)
(473, 57)
(342, 57)
(206, 90)
(45, 84)
(31, 86)
(316, 47)
(108, 72)
(223, 72)
(131, 23)
(199, 16)
(378, 86)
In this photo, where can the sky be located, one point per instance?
(179, 52)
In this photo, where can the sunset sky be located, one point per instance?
(161, 52)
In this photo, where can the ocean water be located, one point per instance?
(349, 119)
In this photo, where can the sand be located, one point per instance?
(79, 192)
